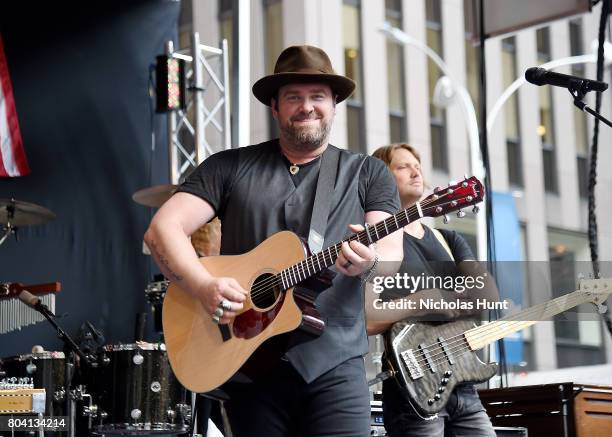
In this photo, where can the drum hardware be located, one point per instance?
(137, 359)
(59, 395)
(54, 370)
(155, 292)
(14, 213)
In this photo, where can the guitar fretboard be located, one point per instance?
(327, 257)
(483, 335)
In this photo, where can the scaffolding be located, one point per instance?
(203, 127)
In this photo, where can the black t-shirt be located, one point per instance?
(212, 180)
(426, 256)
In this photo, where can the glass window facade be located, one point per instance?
(351, 33)
(395, 76)
(511, 118)
(546, 127)
(439, 150)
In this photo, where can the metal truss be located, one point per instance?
(203, 127)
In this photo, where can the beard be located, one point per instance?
(306, 138)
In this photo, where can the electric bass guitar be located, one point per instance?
(430, 360)
(204, 355)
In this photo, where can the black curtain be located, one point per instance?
(81, 74)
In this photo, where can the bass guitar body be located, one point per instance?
(431, 359)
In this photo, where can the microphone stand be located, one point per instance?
(578, 89)
(71, 348)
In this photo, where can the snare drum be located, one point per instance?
(41, 370)
(137, 392)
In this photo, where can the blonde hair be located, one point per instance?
(385, 153)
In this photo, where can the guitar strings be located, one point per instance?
(504, 325)
(268, 284)
(274, 281)
(507, 324)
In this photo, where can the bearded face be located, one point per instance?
(306, 131)
(305, 114)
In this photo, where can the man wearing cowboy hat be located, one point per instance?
(318, 387)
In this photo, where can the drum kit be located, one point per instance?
(112, 389)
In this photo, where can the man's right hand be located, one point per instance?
(216, 290)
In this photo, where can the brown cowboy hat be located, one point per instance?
(302, 64)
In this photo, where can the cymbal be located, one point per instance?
(154, 196)
(20, 213)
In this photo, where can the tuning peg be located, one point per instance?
(464, 184)
(460, 214)
(454, 203)
(437, 189)
(451, 183)
(475, 209)
(465, 176)
(446, 219)
(438, 209)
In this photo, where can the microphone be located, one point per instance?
(29, 299)
(540, 76)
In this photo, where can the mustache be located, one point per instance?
(304, 117)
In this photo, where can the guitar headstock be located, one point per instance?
(455, 197)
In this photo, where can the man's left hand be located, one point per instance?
(355, 257)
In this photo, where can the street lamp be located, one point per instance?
(448, 87)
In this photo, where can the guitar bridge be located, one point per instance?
(412, 364)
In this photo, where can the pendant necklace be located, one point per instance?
(293, 169)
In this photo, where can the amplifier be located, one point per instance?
(561, 410)
(506, 431)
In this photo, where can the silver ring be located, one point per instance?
(219, 312)
(225, 304)
(215, 319)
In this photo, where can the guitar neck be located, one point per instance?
(327, 257)
(468, 192)
(480, 336)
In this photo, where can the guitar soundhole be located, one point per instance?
(265, 290)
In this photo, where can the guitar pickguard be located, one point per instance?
(251, 323)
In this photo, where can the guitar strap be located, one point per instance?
(322, 202)
(443, 242)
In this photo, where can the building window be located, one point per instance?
(185, 25)
(546, 127)
(472, 61)
(580, 123)
(578, 331)
(511, 115)
(351, 22)
(439, 152)
(273, 25)
(395, 76)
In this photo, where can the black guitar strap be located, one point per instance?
(322, 203)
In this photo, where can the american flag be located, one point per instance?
(13, 160)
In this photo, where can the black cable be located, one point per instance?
(592, 219)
